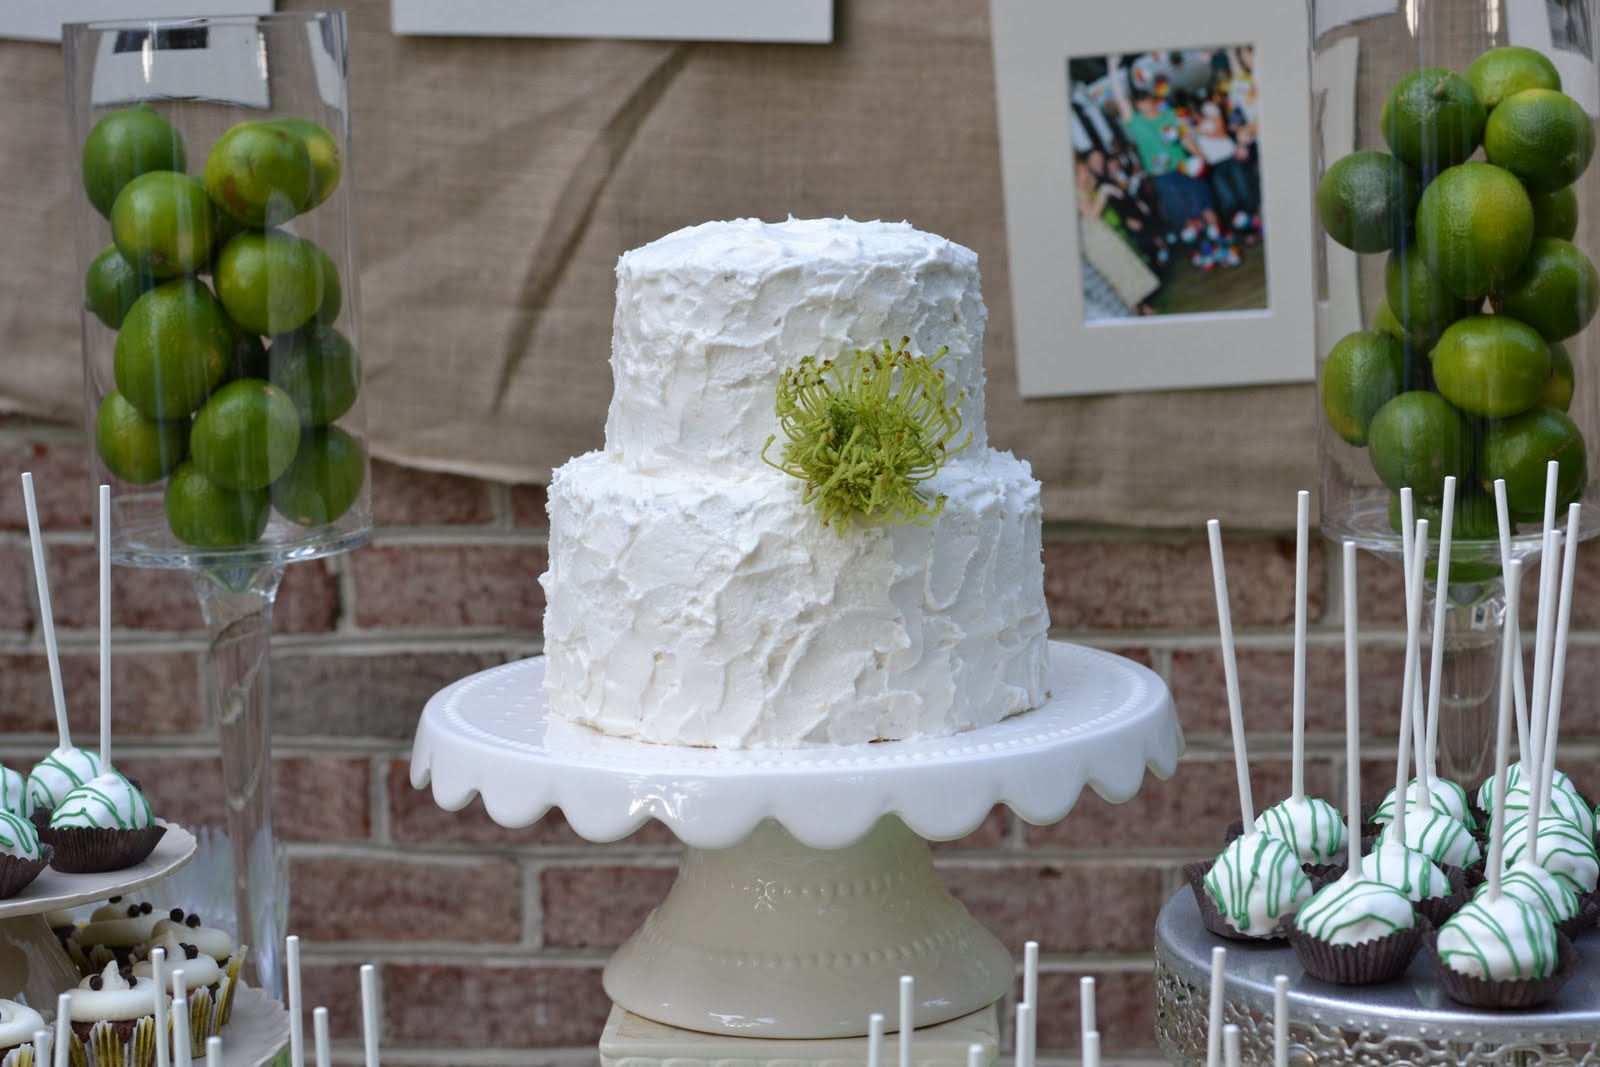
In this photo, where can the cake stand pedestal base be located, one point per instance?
(632, 1041)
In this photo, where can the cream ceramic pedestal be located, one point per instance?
(807, 888)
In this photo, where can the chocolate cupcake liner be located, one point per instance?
(16, 873)
(115, 1044)
(90, 850)
(1588, 913)
(40, 817)
(1369, 963)
(1212, 919)
(1324, 874)
(1437, 909)
(1509, 992)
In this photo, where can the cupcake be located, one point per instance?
(113, 1020)
(18, 1024)
(55, 776)
(14, 792)
(218, 945)
(103, 825)
(116, 931)
(209, 986)
(21, 855)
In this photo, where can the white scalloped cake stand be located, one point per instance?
(807, 887)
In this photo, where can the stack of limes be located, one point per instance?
(1464, 373)
(230, 390)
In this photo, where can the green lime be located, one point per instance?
(1474, 225)
(324, 479)
(111, 286)
(249, 356)
(162, 222)
(1543, 136)
(245, 435)
(326, 162)
(1432, 119)
(1491, 365)
(1558, 389)
(1473, 519)
(319, 371)
(202, 513)
(1555, 214)
(259, 173)
(134, 448)
(332, 291)
(270, 282)
(1417, 440)
(1500, 72)
(123, 145)
(1363, 372)
(1556, 291)
(1417, 298)
(173, 349)
(1367, 200)
(1518, 449)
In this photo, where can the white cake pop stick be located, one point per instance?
(41, 1047)
(1091, 1049)
(319, 1033)
(1302, 552)
(1352, 717)
(1030, 989)
(1230, 673)
(1441, 601)
(1519, 689)
(1408, 683)
(158, 976)
(1411, 574)
(180, 1020)
(61, 1047)
(213, 1051)
(1230, 1045)
(47, 622)
(1552, 726)
(976, 1056)
(874, 1039)
(1024, 1055)
(1280, 1021)
(1219, 963)
(297, 1026)
(1509, 649)
(105, 629)
(1086, 1009)
(908, 1008)
(1543, 647)
(371, 1012)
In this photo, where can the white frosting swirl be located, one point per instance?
(1313, 828)
(1504, 938)
(109, 802)
(1408, 870)
(1256, 884)
(59, 774)
(113, 926)
(1442, 795)
(14, 794)
(1560, 848)
(198, 970)
(1437, 836)
(208, 939)
(1353, 911)
(18, 1024)
(117, 999)
(1545, 891)
(18, 836)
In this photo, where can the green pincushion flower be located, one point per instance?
(864, 436)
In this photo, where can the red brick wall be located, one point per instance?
(501, 933)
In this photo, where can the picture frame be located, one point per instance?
(1059, 350)
(785, 21)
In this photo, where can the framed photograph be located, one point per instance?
(1157, 177)
(791, 21)
(41, 20)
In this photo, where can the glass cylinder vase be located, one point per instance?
(1459, 224)
(212, 216)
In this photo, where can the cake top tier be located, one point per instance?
(708, 318)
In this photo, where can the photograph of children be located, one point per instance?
(1167, 165)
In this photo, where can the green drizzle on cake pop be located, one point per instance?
(58, 774)
(864, 437)
(18, 836)
(1355, 910)
(1256, 883)
(1311, 827)
(107, 802)
(1499, 939)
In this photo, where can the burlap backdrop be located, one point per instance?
(498, 180)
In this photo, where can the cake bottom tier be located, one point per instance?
(720, 612)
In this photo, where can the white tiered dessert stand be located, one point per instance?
(33, 963)
(807, 886)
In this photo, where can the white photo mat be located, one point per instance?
(1058, 351)
(791, 21)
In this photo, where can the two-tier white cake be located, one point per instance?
(694, 599)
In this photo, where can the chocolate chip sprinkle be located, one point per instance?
(114, 900)
(193, 921)
(133, 911)
(191, 952)
(176, 915)
(96, 982)
(146, 908)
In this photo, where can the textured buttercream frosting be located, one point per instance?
(109, 996)
(18, 1024)
(694, 599)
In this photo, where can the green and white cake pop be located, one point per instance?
(1562, 849)
(18, 837)
(109, 802)
(1442, 795)
(58, 774)
(1563, 805)
(1534, 885)
(1514, 779)
(14, 792)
